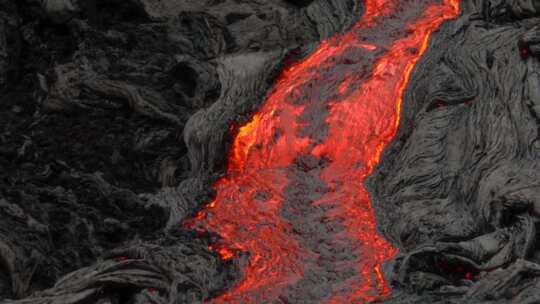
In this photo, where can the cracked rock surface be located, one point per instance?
(458, 189)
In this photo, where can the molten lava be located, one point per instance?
(293, 203)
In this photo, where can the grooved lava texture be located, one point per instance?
(292, 206)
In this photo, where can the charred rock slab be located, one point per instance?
(300, 3)
(457, 191)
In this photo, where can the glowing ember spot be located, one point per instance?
(200, 215)
(524, 51)
(362, 95)
(225, 253)
(244, 141)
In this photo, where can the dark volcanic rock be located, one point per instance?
(300, 3)
(457, 190)
(10, 43)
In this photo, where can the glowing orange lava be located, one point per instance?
(356, 80)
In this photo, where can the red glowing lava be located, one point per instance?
(357, 81)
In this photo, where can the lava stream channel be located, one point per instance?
(293, 204)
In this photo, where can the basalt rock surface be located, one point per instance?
(114, 121)
(458, 189)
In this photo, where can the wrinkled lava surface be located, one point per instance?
(293, 207)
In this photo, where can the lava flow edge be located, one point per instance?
(362, 116)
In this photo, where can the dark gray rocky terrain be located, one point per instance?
(458, 189)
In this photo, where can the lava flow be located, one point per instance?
(293, 206)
